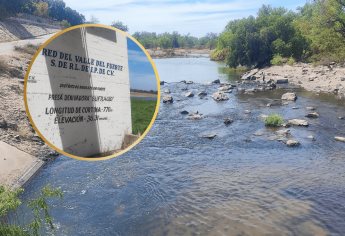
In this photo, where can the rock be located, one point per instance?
(289, 96)
(3, 124)
(241, 90)
(295, 108)
(162, 82)
(217, 81)
(167, 91)
(259, 133)
(184, 89)
(228, 121)
(224, 88)
(311, 108)
(168, 99)
(189, 94)
(195, 116)
(283, 132)
(263, 117)
(342, 79)
(208, 135)
(183, 81)
(202, 94)
(249, 75)
(250, 90)
(184, 112)
(189, 82)
(311, 137)
(341, 117)
(247, 112)
(312, 115)
(292, 143)
(298, 122)
(282, 81)
(340, 139)
(220, 96)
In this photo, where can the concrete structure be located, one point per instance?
(16, 166)
(78, 91)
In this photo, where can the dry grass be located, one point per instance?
(28, 48)
(4, 67)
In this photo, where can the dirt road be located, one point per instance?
(7, 48)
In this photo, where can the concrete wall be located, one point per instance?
(49, 82)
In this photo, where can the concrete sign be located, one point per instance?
(78, 91)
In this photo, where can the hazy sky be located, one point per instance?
(196, 17)
(141, 73)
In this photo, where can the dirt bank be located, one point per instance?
(179, 52)
(26, 26)
(319, 79)
(22, 150)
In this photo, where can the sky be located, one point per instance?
(141, 74)
(196, 17)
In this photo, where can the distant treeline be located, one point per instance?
(175, 40)
(54, 9)
(143, 91)
(315, 33)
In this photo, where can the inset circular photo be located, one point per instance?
(91, 92)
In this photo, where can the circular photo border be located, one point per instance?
(92, 158)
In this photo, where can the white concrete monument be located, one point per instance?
(78, 91)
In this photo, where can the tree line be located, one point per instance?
(153, 40)
(55, 9)
(314, 33)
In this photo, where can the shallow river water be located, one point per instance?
(177, 183)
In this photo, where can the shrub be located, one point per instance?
(9, 202)
(291, 61)
(4, 67)
(28, 48)
(65, 24)
(274, 120)
(278, 60)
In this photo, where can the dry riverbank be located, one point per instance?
(319, 79)
(179, 52)
(23, 152)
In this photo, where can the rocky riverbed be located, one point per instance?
(217, 94)
(319, 79)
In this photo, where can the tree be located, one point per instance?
(120, 25)
(41, 9)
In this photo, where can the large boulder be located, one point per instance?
(289, 96)
(168, 99)
(298, 122)
(220, 96)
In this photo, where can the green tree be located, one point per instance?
(120, 25)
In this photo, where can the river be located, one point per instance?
(177, 183)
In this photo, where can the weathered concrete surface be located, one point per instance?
(16, 167)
